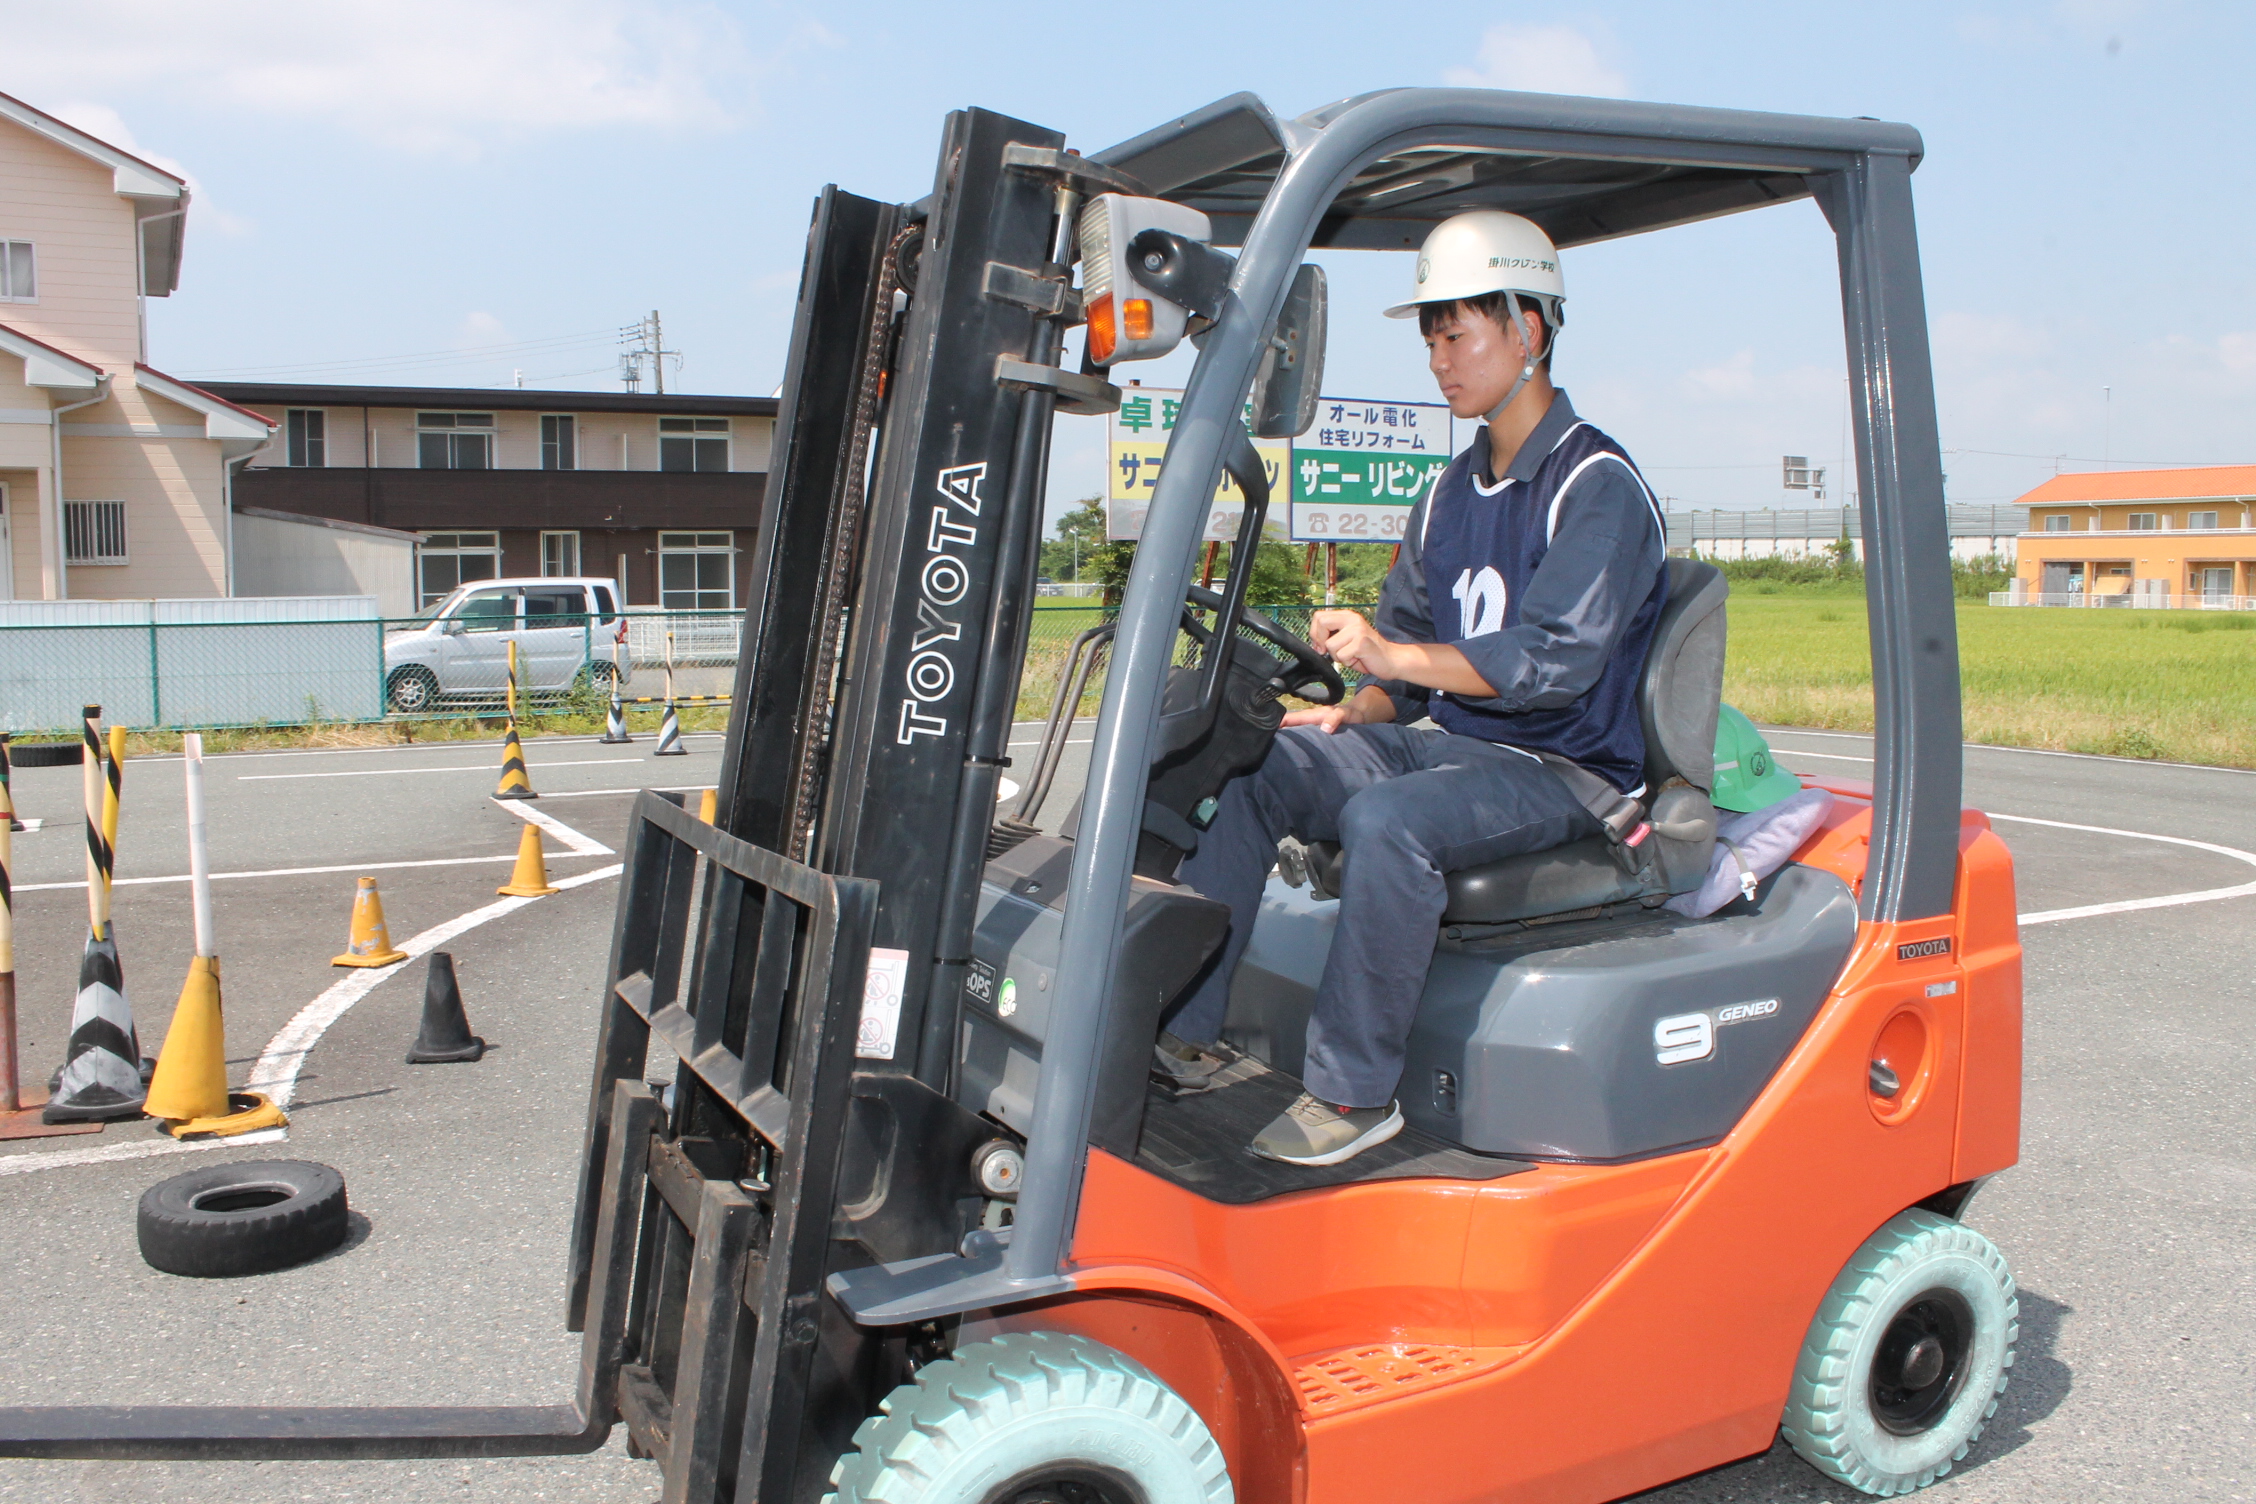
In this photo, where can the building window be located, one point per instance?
(452, 559)
(2201, 519)
(560, 552)
(693, 443)
(560, 442)
(308, 430)
(2057, 524)
(19, 276)
(454, 441)
(2144, 522)
(697, 571)
(94, 532)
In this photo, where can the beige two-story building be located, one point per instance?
(114, 477)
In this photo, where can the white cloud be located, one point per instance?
(1542, 60)
(422, 74)
(106, 124)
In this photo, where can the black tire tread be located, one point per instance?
(178, 1238)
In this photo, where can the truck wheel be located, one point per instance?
(248, 1218)
(1033, 1418)
(1906, 1357)
(412, 691)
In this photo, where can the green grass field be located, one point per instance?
(2179, 686)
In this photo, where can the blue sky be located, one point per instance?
(455, 191)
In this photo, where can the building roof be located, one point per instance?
(496, 399)
(222, 418)
(2203, 483)
(44, 365)
(159, 198)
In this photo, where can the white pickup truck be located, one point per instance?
(459, 648)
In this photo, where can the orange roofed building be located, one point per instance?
(2141, 538)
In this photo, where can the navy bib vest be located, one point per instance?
(1481, 547)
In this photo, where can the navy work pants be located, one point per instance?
(1407, 805)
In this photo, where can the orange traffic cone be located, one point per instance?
(514, 783)
(371, 943)
(530, 880)
(189, 1089)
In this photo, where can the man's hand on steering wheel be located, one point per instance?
(1349, 639)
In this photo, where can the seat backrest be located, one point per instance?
(1682, 688)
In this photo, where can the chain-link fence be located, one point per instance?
(207, 675)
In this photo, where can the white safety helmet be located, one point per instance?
(1485, 251)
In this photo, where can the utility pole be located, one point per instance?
(645, 340)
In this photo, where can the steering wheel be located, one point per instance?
(1305, 668)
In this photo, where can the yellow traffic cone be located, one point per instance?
(371, 943)
(530, 880)
(708, 806)
(514, 783)
(189, 1089)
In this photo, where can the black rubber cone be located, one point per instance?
(445, 1034)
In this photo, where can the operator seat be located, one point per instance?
(1677, 699)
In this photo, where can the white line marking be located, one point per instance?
(439, 861)
(466, 767)
(102, 1154)
(2141, 762)
(276, 1072)
(580, 845)
(2127, 905)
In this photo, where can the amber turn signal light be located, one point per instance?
(1104, 331)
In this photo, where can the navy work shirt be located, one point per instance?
(1550, 581)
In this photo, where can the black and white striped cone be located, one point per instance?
(101, 1077)
(615, 728)
(669, 736)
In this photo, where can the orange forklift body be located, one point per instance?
(1451, 1341)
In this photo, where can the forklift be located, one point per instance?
(881, 1195)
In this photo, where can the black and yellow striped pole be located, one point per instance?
(514, 783)
(101, 1076)
(615, 723)
(669, 729)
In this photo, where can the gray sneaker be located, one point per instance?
(1314, 1132)
(1185, 1067)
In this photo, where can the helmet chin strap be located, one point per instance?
(1527, 371)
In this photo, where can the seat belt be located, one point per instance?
(1622, 817)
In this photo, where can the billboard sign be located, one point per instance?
(1137, 448)
(1360, 468)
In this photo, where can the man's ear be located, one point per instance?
(1534, 333)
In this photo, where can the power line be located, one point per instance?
(553, 345)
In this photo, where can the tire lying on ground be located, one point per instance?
(248, 1218)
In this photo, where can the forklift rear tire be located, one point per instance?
(1907, 1356)
(1033, 1418)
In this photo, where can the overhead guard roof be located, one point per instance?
(1584, 169)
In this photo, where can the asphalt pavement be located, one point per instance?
(2127, 1222)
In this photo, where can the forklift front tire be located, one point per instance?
(1906, 1358)
(1033, 1416)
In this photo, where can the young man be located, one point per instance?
(1517, 617)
